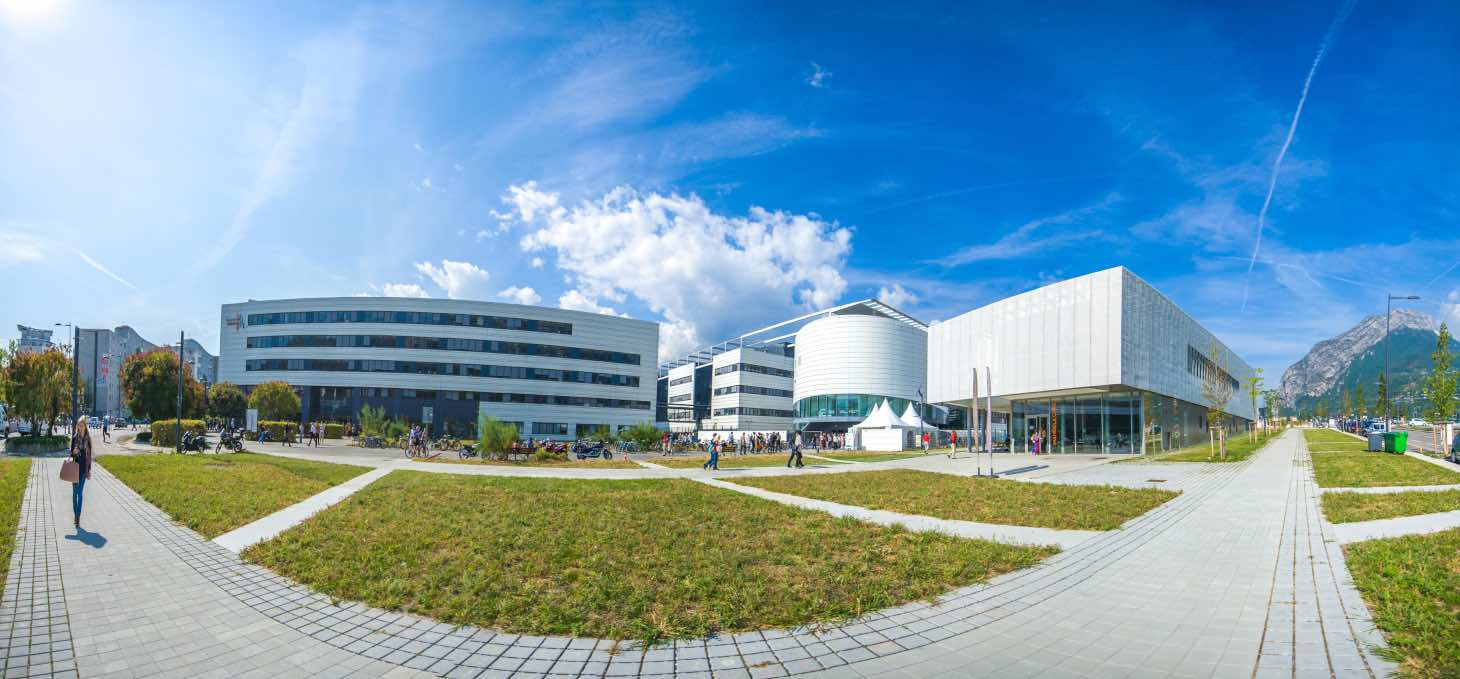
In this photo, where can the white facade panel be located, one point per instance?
(860, 354)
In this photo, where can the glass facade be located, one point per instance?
(859, 406)
(509, 372)
(442, 344)
(1116, 422)
(411, 317)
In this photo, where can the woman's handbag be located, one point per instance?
(70, 471)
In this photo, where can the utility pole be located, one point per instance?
(988, 431)
(178, 431)
(1388, 384)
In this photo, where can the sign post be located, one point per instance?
(251, 419)
(426, 413)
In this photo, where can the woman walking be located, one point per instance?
(81, 455)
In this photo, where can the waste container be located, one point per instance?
(1396, 442)
(1376, 442)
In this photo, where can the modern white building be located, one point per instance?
(1101, 363)
(751, 389)
(850, 361)
(553, 372)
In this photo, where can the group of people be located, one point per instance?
(1036, 441)
(757, 442)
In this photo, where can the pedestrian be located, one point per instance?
(318, 430)
(106, 428)
(714, 461)
(925, 443)
(81, 455)
(795, 457)
(288, 433)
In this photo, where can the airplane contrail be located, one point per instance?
(1343, 12)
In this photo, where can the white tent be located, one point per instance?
(882, 417)
(911, 418)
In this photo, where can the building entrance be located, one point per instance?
(1032, 424)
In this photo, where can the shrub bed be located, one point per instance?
(33, 445)
(164, 432)
(276, 430)
(334, 431)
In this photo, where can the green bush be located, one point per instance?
(545, 455)
(276, 430)
(164, 432)
(496, 437)
(644, 435)
(334, 431)
(373, 421)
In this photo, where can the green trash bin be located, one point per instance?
(1400, 443)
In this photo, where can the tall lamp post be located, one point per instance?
(1389, 386)
(177, 433)
(75, 333)
(920, 421)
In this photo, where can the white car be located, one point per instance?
(1416, 422)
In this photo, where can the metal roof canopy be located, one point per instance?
(752, 339)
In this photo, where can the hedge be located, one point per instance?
(276, 430)
(334, 431)
(164, 432)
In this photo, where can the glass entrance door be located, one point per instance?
(1036, 424)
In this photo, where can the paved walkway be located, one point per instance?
(1237, 577)
(1358, 531)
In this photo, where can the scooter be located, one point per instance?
(196, 443)
(467, 450)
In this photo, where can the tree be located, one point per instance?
(1348, 405)
(1320, 410)
(38, 385)
(149, 386)
(227, 402)
(1254, 388)
(1217, 388)
(275, 401)
(373, 421)
(1439, 385)
(1359, 406)
(1272, 398)
(497, 436)
(644, 435)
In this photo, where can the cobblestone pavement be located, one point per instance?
(1209, 584)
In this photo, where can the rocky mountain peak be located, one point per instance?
(1321, 368)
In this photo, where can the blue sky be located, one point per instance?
(720, 166)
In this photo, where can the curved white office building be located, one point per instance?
(553, 372)
(850, 361)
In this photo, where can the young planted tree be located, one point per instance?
(1271, 398)
(1254, 389)
(1217, 388)
(1439, 385)
(149, 386)
(1359, 406)
(496, 438)
(275, 401)
(373, 421)
(1382, 404)
(227, 402)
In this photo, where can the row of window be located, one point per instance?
(413, 317)
(761, 412)
(442, 344)
(681, 380)
(340, 393)
(861, 405)
(679, 398)
(748, 389)
(753, 368)
(424, 368)
(1198, 365)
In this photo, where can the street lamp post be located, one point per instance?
(920, 421)
(1388, 386)
(178, 432)
(75, 333)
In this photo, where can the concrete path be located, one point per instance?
(270, 526)
(1237, 577)
(1359, 531)
(1018, 535)
(1384, 490)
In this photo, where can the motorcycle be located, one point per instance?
(230, 439)
(195, 443)
(592, 451)
(467, 450)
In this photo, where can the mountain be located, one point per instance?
(1357, 357)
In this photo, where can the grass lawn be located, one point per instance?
(1366, 470)
(213, 494)
(854, 456)
(569, 464)
(14, 473)
(1346, 507)
(1320, 436)
(640, 559)
(1001, 501)
(730, 461)
(1412, 586)
(1239, 447)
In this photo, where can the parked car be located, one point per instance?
(1375, 428)
(1416, 422)
(93, 422)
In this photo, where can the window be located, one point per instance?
(425, 368)
(680, 398)
(411, 317)
(442, 344)
(748, 389)
(753, 368)
(549, 429)
(758, 412)
(585, 430)
(682, 380)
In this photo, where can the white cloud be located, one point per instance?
(537, 262)
(897, 296)
(96, 265)
(527, 203)
(709, 275)
(426, 183)
(19, 248)
(458, 279)
(1027, 239)
(575, 300)
(818, 76)
(403, 290)
(522, 295)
